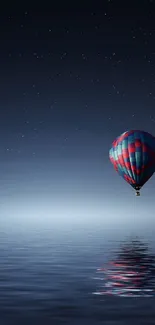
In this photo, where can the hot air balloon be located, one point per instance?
(133, 157)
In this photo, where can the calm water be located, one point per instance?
(46, 277)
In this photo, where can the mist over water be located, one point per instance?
(47, 276)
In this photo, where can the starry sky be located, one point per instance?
(73, 77)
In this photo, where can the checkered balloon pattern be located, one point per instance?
(133, 157)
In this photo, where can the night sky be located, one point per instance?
(73, 77)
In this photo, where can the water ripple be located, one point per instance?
(48, 279)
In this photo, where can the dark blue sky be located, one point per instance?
(73, 77)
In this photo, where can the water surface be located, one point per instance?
(47, 277)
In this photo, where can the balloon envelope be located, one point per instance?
(133, 157)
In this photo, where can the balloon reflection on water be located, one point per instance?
(131, 274)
